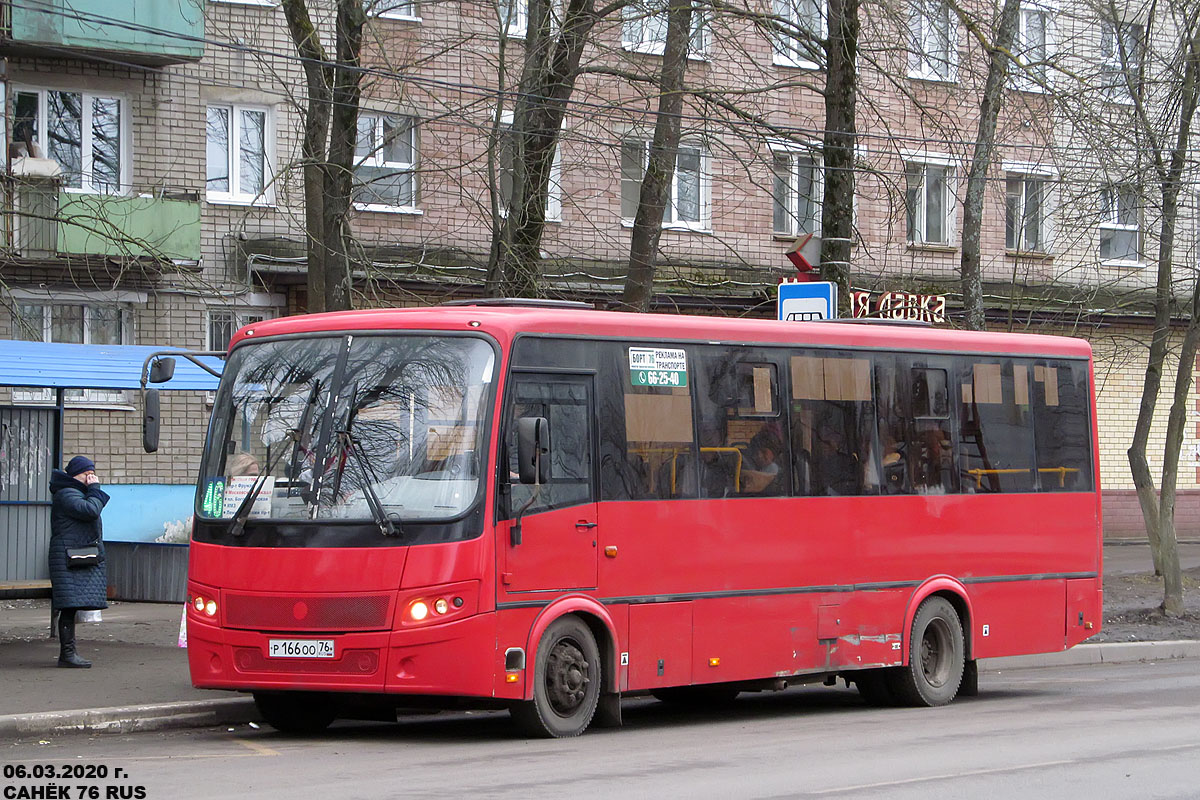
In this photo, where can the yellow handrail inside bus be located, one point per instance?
(978, 474)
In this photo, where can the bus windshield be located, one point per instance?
(353, 427)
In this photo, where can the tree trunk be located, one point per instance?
(660, 166)
(985, 144)
(1169, 176)
(312, 148)
(841, 93)
(547, 82)
(343, 133)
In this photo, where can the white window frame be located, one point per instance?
(1110, 220)
(1112, 71)
(794, 153)
(235, 196)
(1048, 175)
(785, 50)
(925, 162)
(266, 3)
(90, 397)
(86, 163)
(410, 12)
(637, 15)
(704, 223)
(376, 159)
(922, 65)
(554, 187)
(515, 26)
(1036, 79)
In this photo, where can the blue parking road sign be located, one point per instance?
(801, 302)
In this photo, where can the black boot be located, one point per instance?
(66, 641)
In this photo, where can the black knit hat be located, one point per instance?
(79, 464)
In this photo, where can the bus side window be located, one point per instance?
(832, 420)
(742, 450)
(996, 451)
(1063, 426)
(565, 405)
(931, 445)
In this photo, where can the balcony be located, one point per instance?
(148, 32)
(49, 224)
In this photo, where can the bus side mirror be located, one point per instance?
(162, 370)
(150, 414)
(533, 450)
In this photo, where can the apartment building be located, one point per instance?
(155, 191)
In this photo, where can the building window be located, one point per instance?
(1033, 49)
(1025, 213)
(644, 28)
(73, 324)
(239, 165)
(506, 153)
(83, 132)
(1122, 49)
(392, 9)
(385, 174)
(932, 33)
(1120, 236)
(687, 203)
(797, 193)
(224, 323)
(928, 203)
(798, 43)
(514, 17)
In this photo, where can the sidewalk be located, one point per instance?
(139, 679)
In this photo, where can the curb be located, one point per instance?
(127, 719)
(1105, 653)
(207, 713)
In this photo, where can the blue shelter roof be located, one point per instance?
(93, 366)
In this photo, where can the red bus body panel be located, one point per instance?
(679, 592)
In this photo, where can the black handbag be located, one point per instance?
(79, 557)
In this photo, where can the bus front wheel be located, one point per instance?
(935, 657)
(566, 682)
(299, 713)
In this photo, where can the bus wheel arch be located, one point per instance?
(935, 655)
(956, 594)
(567, 680)
(598, 620)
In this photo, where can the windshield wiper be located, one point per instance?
(353, 446)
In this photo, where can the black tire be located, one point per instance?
(566, 682)
(296, 713)
(713, 695)
(874, 686)
(935, 657)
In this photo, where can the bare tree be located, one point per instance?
(999, 55)
(661, 160)
(327, 148)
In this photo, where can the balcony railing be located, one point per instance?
(148, 32)
(46, 222)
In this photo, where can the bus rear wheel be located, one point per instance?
(298, 713)
(935, 657)
(566, 682)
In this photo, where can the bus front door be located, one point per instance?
(557, 548)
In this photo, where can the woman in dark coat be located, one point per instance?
(75, 522)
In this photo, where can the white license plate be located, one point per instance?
(300, 648)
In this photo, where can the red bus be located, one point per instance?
(541, 507)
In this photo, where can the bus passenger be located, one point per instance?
(765, 478)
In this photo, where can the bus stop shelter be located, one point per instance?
(31, 435)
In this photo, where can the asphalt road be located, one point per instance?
(1109, 731)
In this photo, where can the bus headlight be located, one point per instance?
(418, 610)
(441, 606)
